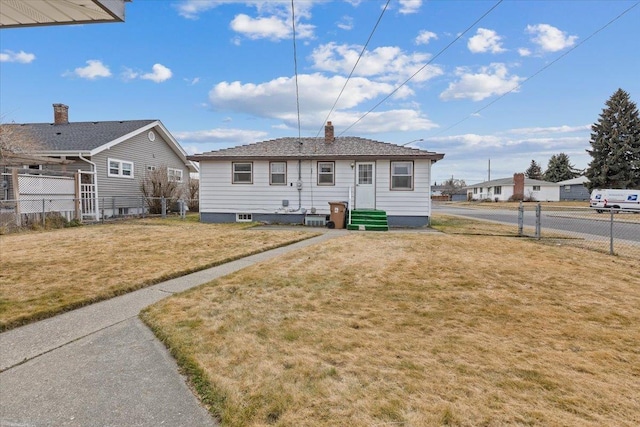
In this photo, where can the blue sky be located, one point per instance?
(524, 83)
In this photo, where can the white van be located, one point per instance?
(615, 199)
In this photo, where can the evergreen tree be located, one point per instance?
(615, 142)
(534, 171)
(560, 169)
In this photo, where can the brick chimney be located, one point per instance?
(328, 133)
(518, 186)
(60, 114)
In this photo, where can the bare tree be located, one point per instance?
(193, 194)
(157, 185)
(16, 144)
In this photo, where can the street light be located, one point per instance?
(407, 143)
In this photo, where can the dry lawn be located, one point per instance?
(45, 273)
(410, 329)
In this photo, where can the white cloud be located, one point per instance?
(424, 37)
(258, 28)
(549, 38)
(221, 136)
(94, 69)
(159, 74)
(276, 99)
(22, 57)
(387, 63)
(485, 40)
(410, 6)
(550, 129)
(346, 23)
(523, 51)
(128, 74)
(489, 81)
(191, 9)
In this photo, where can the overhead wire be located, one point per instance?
(364, 48)
(295, 65)
(537, 72)
(424, 66)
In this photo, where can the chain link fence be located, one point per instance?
(611, 231)
(58, 212)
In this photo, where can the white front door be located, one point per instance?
(365, 185)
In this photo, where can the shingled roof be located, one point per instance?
(80, 136)
(317, 148)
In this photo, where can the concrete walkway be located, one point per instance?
(101, 366)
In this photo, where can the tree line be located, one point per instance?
(615, 150)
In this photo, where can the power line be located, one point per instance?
(425, 65)
(364, 48)
(538, 72)
(295, 64)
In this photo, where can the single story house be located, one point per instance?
(504, 189)
(111, 158)
(285, 180)
(574, 189)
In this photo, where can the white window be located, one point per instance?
(244, 217)
(497, 190)
(402, 175)
(536, 188)
(475, 190)
(174, 174)
(151, 168)
(242, 173)
(278, 174)
(567, 188)
(326, 173)
(120, 168)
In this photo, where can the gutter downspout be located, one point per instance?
(94, 168)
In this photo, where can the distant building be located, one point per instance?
(518, 187)
(574, 189)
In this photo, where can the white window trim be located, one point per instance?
(332, 174)
(233, 173)
(411, 175)
(244, 217)
(173, 173)
(279, 173)
(120, 169)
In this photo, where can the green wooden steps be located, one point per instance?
(370, 220)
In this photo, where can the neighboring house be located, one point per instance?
(112, 158)
(504, 189)
(574, 189)
(441, 192)
(283, 180)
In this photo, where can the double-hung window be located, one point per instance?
(120, 168)
(402, 175)
(326, 173)
(497, 190)
(278, 173)
(242, 172)
(174, 174)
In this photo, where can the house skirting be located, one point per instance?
(219, 218)
(407, 221)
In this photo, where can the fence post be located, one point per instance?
(538, 220)
(520, 219)
(611, 234)
(163, 203)
(44, 212)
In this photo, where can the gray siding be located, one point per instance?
(142, 153)
(574, 192)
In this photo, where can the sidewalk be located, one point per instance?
(100, 366)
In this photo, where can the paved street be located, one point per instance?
(585, 223)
